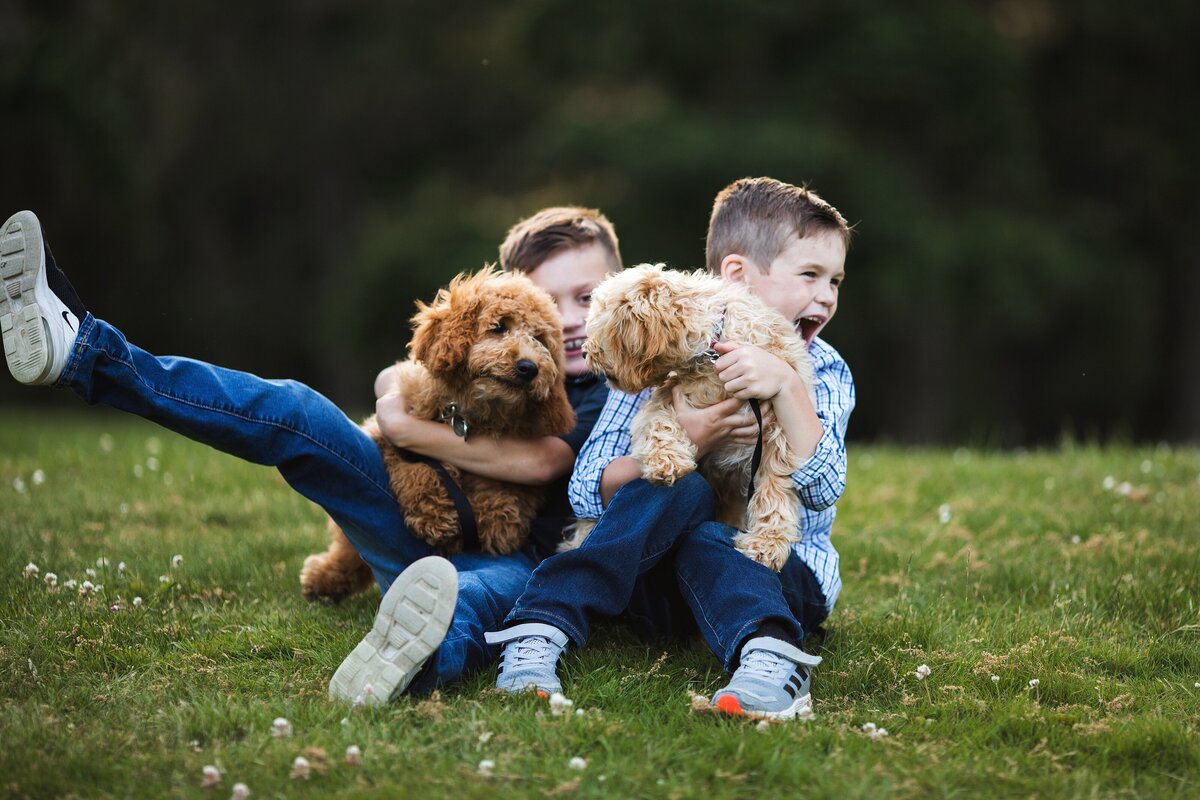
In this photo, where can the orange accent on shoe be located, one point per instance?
(543, 694)
(729, 704)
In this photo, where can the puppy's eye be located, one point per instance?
(499, 327)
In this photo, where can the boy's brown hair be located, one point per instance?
(551, 230)
(757, 217)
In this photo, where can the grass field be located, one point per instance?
(994, 570)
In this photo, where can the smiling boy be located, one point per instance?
(789, 246)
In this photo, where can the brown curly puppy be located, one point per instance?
(487, 358)
(650, 326)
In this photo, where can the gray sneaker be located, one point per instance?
(772, 681)
(530, 658)
(412, 622)
(39, 309)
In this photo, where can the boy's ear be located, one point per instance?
(734, 267)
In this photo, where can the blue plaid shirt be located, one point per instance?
(819, 481)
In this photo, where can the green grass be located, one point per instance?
(1040, 572)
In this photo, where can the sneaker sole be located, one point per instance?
(413, 619)
(26, 340)
(728, 704)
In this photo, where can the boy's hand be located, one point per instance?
(392, 415)
(717, 425)
(750, 372)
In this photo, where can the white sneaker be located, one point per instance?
(530, 658)
(412, 622)
(39, 310)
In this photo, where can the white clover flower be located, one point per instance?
(1075, 539)
(879, 733)
(353, 755)
(359, 701)
(164, 579)
(86, 589)
(154, 445)
(1197, 684)
(579, 712)
(212, 777)
(559, 704)
(281, 728)
(486, 766)
(176, 561)
(19, 485)
(152, 464)
(868, 727)
(91, 573)
(300, 768)
(138, 471)
(763, 725)
(1147, 466)
(99, 588)
(137, 602)
(995, 679)
(345, 720)
(31, 570)
(577, 763)
(1125, 488)
(240, 792)
(123, 508)
(101, 562)
(51, 580)
(944, 513)
(115, 607)
(1109, 483)
(38, 477)
(923, 672)
(106, 443)
(368, 691)
(69, 584)
(120, 566)
(1033, 683)
(805, 712)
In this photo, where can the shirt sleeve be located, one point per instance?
(586, 414)
(609, 440)
(821, 479)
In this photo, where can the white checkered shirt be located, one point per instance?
(819, 481)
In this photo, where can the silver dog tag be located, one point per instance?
(458, 425)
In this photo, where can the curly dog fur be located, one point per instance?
(491, 345)
(649, 326)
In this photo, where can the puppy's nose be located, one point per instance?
(526, 369)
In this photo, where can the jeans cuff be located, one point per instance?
(517, 615)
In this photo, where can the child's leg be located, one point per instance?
(318, 450)
(430, 628)
(641, 525)
(731, 596)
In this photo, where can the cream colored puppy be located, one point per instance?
(650, 326)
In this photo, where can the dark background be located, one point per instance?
(269, 186)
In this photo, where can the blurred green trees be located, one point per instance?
(270, 187)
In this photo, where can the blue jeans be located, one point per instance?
(318, 450)
(654, 543)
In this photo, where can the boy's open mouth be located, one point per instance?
(807, 327)
(573, 346)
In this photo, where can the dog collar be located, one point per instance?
(711, 355)
(458, 422)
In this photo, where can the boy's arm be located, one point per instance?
(607, 448)
(527, 461)
(817, 433)
(822, 478)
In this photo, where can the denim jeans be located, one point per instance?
(654, 543)
(318, 450)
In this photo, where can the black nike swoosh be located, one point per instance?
(67, 320)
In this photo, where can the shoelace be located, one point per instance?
(529, 651)
(766, 665)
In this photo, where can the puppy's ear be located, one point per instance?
(444, 331)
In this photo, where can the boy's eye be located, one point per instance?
(499, 327)
(585, 299)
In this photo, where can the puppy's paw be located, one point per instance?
(664, 466)
(319, 581)
(772, 552)
(575, 534)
